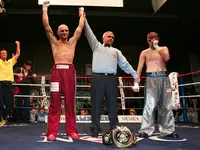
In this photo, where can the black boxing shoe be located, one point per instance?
(143, 135)
(170, 136)
(94, 132)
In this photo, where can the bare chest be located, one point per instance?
(153, 56)
(63, 49)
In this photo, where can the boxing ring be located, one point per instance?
(31, 136)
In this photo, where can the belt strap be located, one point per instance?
(105, 74)
(157, 74)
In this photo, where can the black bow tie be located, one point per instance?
(105, 45)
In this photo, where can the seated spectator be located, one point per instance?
(40, 116)
(33, 115)
(82, 112)
(132, 112)
(179, 117)
(87, 105)
(192, 110)
(192, 115)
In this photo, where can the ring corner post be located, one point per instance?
(182, 91)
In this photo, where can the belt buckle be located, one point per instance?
(105, 74)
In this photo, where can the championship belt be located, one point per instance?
(121, 136)
(45, 100)
(173, 77)
(107, 139)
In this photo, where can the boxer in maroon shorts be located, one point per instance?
(63, 73)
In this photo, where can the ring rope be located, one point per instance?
(23, 84)
(88, 97)
(187, 84)
(84, 86)
(83, 97)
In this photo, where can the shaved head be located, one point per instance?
(62, 26)
(63, 32)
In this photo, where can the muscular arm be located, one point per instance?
(16, 56)
(141, 63)
(79, 29)
(92, 40)
(124, 65)
(47, 27)
(164, 53)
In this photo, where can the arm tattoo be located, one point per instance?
(50, 34)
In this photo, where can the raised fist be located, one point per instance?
(17, 42)
(46, 3)
(155, 44)
(136, 87)
(81, 11)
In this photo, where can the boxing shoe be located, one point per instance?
(94, 134)
(74, 135)
(143, 135)
(170, 136)
(51, 137)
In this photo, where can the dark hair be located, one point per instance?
(28, 63)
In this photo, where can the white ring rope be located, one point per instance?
(189, 96)
(85, 86)
(83, 97)
(88, 97)
(79, 86)
(23, 84)
(187, 84)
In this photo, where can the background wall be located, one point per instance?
(177, 24)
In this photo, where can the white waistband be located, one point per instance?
(62, 66)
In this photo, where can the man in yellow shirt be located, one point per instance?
(6, 79)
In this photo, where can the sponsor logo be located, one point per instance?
(104, 119)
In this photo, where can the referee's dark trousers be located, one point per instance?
(103, 85)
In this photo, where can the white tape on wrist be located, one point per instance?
(81, 9)
(136, 86)
(45, 7)
(155, 45)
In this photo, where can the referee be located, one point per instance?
(104, 83)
